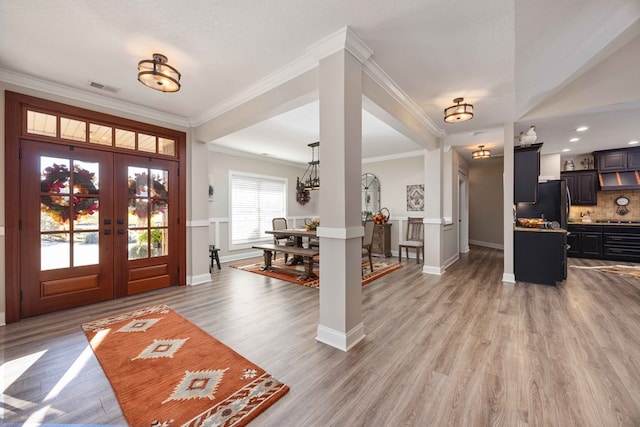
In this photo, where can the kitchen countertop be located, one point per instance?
(540, 230)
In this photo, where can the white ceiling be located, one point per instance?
(504, 56)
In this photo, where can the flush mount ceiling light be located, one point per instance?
(481, 153)
(459, 112)
(157, 74)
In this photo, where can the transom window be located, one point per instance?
(255, 201)
(75, 129)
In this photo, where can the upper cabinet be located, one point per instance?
(618, 169)
(526, 170)
(583, 186)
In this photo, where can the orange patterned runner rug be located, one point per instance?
(165, 371)
(291, 273)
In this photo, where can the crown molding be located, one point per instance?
(88, 97)
(225, 150)
(418, 153)
(384, 81)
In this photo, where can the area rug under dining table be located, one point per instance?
(166, 371)
(290, 273)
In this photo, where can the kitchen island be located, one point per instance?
(540, 255)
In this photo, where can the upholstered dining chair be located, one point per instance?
(415, 239)
(279, 239)
(313, 242)
(367, 241)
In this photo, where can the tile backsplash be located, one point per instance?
(606, 207)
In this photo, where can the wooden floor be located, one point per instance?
(461, 349)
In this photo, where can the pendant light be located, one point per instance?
(461, 112)
(310, 180)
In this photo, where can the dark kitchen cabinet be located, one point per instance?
(611, 161)
(621, 243)
(585, 241)
(540, 257)
(526, 169)
(583, 186)
(633, 159)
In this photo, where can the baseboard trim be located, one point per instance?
(340, 340)
(198, 280)
(433, 270)
(487, 244)
(509, 277)
(3, 318)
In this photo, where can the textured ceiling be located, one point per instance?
(504, 56)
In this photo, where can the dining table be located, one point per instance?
(298, 235)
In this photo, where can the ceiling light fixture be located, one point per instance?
(582, 128)
(459, 112)
(633, 142)
(157, 74)
(481, 153)
(564, 150)
(574, 140)
(310, 179)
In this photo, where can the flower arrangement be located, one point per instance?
(312, 225)
(381, 217)
(157, 192)
(54, 180)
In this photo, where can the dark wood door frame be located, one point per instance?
(15, 130)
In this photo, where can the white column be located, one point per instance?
(340, 231)
(508, 275)
(433, 211)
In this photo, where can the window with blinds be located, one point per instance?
(255, 201)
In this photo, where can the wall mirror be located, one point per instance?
(370, 195)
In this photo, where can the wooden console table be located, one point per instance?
(381, 246)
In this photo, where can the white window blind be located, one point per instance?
(255, 201)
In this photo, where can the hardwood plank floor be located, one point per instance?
(461, 349)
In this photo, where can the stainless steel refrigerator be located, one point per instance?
(554, 202)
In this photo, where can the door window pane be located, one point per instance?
(54, 251)
(138, 213)
(86, 249)
(125, 139)
(41, 123)
(138, 244)
(159, 242)
(99, 134)
(146, 143)
(74, 130)
(54, 213)
(54, 175)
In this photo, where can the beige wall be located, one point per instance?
(486, 202)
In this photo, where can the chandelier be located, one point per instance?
(310, 180)
(157, 74)
(481, 153)
(459, 112)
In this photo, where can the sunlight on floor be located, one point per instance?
(13, 369)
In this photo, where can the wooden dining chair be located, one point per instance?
(415, 239)
(281, 239)
(367, 241)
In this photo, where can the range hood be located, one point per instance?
(623, 180)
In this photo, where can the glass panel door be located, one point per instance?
(67, 249)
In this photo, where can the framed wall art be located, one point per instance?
(415, 197)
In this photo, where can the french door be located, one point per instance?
(95, 225)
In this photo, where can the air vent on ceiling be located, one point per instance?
(104, 87)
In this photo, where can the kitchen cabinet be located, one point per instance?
(583, 186)
(540, 256)
(621, 243)
(526, 170)
(585, 241)
(381, 245)
(617, 160)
